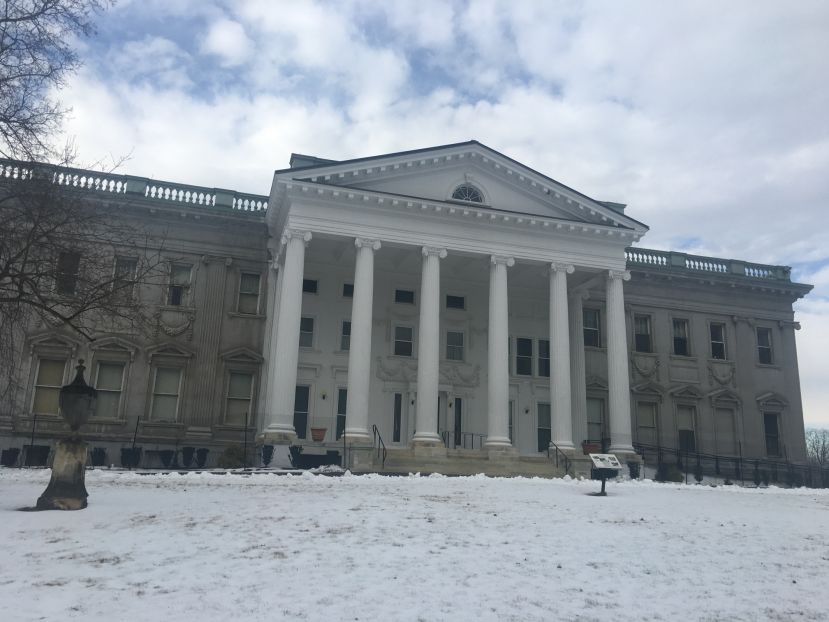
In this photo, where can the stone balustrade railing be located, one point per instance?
(139, 188)
(683, 262)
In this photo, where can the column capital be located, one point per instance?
(562, 267)
(624, 275)
(434, 250)
(290, 234)
(508, 261)
(367, 243)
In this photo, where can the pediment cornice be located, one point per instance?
(347, 173)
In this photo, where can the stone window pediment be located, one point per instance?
(242, 355)
(686, 392)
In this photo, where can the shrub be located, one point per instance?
(669, 473)
(698, 472)
(187, 456)
(233, 457)
(267, 454)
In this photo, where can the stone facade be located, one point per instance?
(363, 287)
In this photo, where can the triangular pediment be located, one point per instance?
(771, 400)
(687, 391)
(53, 341)
(596, 383)
(725, 395)
(242, 355)
(116, 344)
(434, 174)
(651, 389)
(170, 349)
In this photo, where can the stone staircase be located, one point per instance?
(438, 459)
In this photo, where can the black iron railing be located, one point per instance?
(559, 456)
(379, 445)
(674, 464)
(462, 440)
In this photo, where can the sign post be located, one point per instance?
(604, 466)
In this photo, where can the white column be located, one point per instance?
(359, 353)
(617, 365)
(560, 357)
(428, 349)
(578, 382)
(275, 273)
(498, 354)
(285, 355)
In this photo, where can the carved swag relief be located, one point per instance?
(456, 374)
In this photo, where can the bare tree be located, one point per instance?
(36, 57)
(817, 446)
(71, 257)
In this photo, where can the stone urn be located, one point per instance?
(67, 489)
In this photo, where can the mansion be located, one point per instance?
(468, 312)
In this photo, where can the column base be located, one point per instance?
(358, 437)
(497, 442)
(277, 435)
(621, 450)
(427, 440)
(568, 449)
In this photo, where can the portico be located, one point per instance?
(519, 225)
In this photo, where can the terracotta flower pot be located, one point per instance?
(318, 434)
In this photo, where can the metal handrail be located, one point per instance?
(720, 465)
(563, 455)
(446, 435)
(379, 445)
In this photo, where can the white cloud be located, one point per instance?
(227, 40)
(712, 123)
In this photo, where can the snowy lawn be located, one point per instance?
(265, 547)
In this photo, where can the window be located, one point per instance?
(544, 426)
(454, 345)
(249, 293)
(397, 417)
(764, 350)
(66, 281)
(345, 336)
(109, 381)
(592, 329)
(239, 396)
(772, 434)
(309, 286)
(646, 423)
(724, 429)
(306, 332)
(403, 340)
(685, 428)
(342, 401)
(523, 356)
(468, 192)
(544, 357)
(178, 289)
(301, 401)
(455, 302)
(595, 420)
(681, 343)
(404, 296)
(642, 333)
(348, 290)
(166, 389)
(123, 281)
(717, 333)
(47, 386)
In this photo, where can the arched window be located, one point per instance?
(468, 192)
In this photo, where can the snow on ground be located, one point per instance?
(309, 547)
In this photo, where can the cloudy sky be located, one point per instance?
(709, 119)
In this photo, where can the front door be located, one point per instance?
(458, 408)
